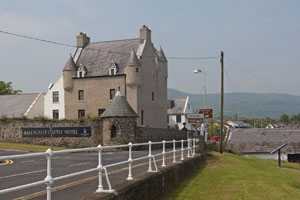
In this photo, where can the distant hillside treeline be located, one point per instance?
(251, 104)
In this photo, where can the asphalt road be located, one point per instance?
(24, 171)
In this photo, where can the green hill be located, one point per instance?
(251, 104)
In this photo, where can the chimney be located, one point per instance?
(82, 40)
(145, 33)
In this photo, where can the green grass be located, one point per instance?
(27, 147)
(229, 176)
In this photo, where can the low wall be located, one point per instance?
(152, 185)
(157, 134)
(11, 131)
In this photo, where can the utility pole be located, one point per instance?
(222, 99)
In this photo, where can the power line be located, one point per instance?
(260, 79)
(112, 52)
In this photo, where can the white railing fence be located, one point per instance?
(49, 180)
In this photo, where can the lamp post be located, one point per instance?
(238, 105)
(197, 71)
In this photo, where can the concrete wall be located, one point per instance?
(151, 186)
(49, 105)
(10, 131)
(157, 135)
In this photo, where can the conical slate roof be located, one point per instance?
(70, 65)
(161, 54)
(119, 107)
(133, 60)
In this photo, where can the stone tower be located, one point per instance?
(119, 122)
(68, 73)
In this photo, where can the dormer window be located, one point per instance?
(113, 69)
(81, 71)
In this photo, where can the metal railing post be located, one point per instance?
(164, 154)
(129, 162)
(149, 155)
(49, 178)
(100, 168)
(174, 152)
(189, 147)
(182, 158)
(194, 146)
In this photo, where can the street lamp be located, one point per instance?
(198, 71)
(238, 106)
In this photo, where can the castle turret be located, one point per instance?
(68, 73)
(132, 70)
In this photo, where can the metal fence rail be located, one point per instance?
(49, 180)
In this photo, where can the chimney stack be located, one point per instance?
(145, 33)
(82, 40)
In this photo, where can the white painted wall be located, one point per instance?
(187, 109)
(49, 105)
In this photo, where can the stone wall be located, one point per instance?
(10, 131)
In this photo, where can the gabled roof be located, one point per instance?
(98, 56)
(15, 105)
(176, 106)
(264, 140)
(119, 107)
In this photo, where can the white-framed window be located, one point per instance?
(113, 69)
(81, 71)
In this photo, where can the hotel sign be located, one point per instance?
(57, 132)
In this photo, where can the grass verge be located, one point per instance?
(27, 147)
(229, 176)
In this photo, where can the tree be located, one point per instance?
(6, 88)
(284, 118)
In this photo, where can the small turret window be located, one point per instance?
(113, 132)
(113, 69)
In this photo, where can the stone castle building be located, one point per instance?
(97, 70)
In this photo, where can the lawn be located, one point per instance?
(230, 176)
(27, 147)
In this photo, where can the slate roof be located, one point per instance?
(178, 106)
(98, 56)
(264, 140)
(133, 60)
(70, 65)
(119, 107)
(15, 105)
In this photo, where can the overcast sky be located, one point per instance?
(261, 35)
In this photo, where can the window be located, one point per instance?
(142, 117)
(113, 68)
(81, 71)
(80, 95)
(55, 96)
(113, 132)
(152, 96)
(100, 111)
(112, 93)
(136, 69)
(81, 113)
(55, 114)
(168, 119)
(80, 74)
(178, 118)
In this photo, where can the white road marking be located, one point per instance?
(79, 164)
(113, 158)
(27, 161)
(23, 174)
